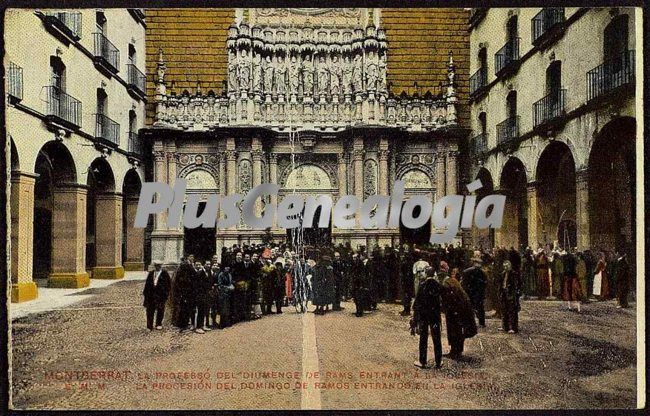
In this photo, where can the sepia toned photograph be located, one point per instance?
(324, 208)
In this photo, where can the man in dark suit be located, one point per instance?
(426, 317)
(156, 290)
(185, 282)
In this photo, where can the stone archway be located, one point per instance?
(200, 241)
(132, 238)
(309, 178)
(103, 223)
(60, 218)
(612, 188)
(416, 182)
(484, 238)
(512, 183)
(556, 196)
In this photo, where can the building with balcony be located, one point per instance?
(557, 109)
(75, 103)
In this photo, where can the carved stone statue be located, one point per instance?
(257, 72)
(244, 71)
(267, 67)
(347, 75)
(232, 72)
(294, 75)
(280, 75)
(336, 74)
(323, 76)
(382, 73)
(308, 75)
(371, 72)
(357, 74)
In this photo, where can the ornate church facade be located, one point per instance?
(305, 103)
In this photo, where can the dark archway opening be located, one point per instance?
(100, 180)
(200, 241)
(419, 236)
(313, 236)
(612, 187)
(556, 196)
(514, 230)
(484, 239)
(54, 167)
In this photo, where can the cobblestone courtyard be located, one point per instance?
(97, 354)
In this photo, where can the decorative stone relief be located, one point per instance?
(308, 75)
(369, 178)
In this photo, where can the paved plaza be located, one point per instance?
(95, 353)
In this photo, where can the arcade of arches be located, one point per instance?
(63, 231)
(563, 205)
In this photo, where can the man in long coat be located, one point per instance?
(542, 267)
(509, 292)
(203, 287)
(339, 269)
(156, 290)
(360, 285)
(267, 284)
(184, 283)
(322, 273)
(459, 316)
(426, 317)
(474, 283)
(406, 279)
(225, 290)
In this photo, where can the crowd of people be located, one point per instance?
(249, 281)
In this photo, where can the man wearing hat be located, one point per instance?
(474, 283)
(426, 317)
(323, 273)
(156, 290)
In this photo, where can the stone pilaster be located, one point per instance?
(357, 158)
(342, 166)
(108, 229)
(273, 177)
(533, 214)
(69, 237)
(440, 175)
(134, 260)
(231, 167)
(451, 177)
(23, 287)
(383, 166)
(160, 175)
(582, 209)
(256, 155)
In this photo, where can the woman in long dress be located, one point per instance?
(601, 285)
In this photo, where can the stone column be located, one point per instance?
(108, 229)
(383, 167)
(342, 174)
(256, 156)
(69, 237)
(582, 209)
(533, 214)
(222, 173)
(23, 287)
(160, 175)
(273, 178)
(357, 157)
(452, 182)
(231, 170)
(134, 260)
(440, 175)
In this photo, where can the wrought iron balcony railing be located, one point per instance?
(508, 130)
(107, 129)
(549, 108)
(106, 53)
(61, 107)
(611, 75)
(478, 81)
(15, 82)
(135, 145)
(478, 144)
(67, 22)
(507, 56)
(544, 21)
(136, 79)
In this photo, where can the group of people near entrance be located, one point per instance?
(255, 280)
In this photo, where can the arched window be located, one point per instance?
(616, 37)
(482, 120)
(511, 104)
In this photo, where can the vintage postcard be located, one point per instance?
(325, 208)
